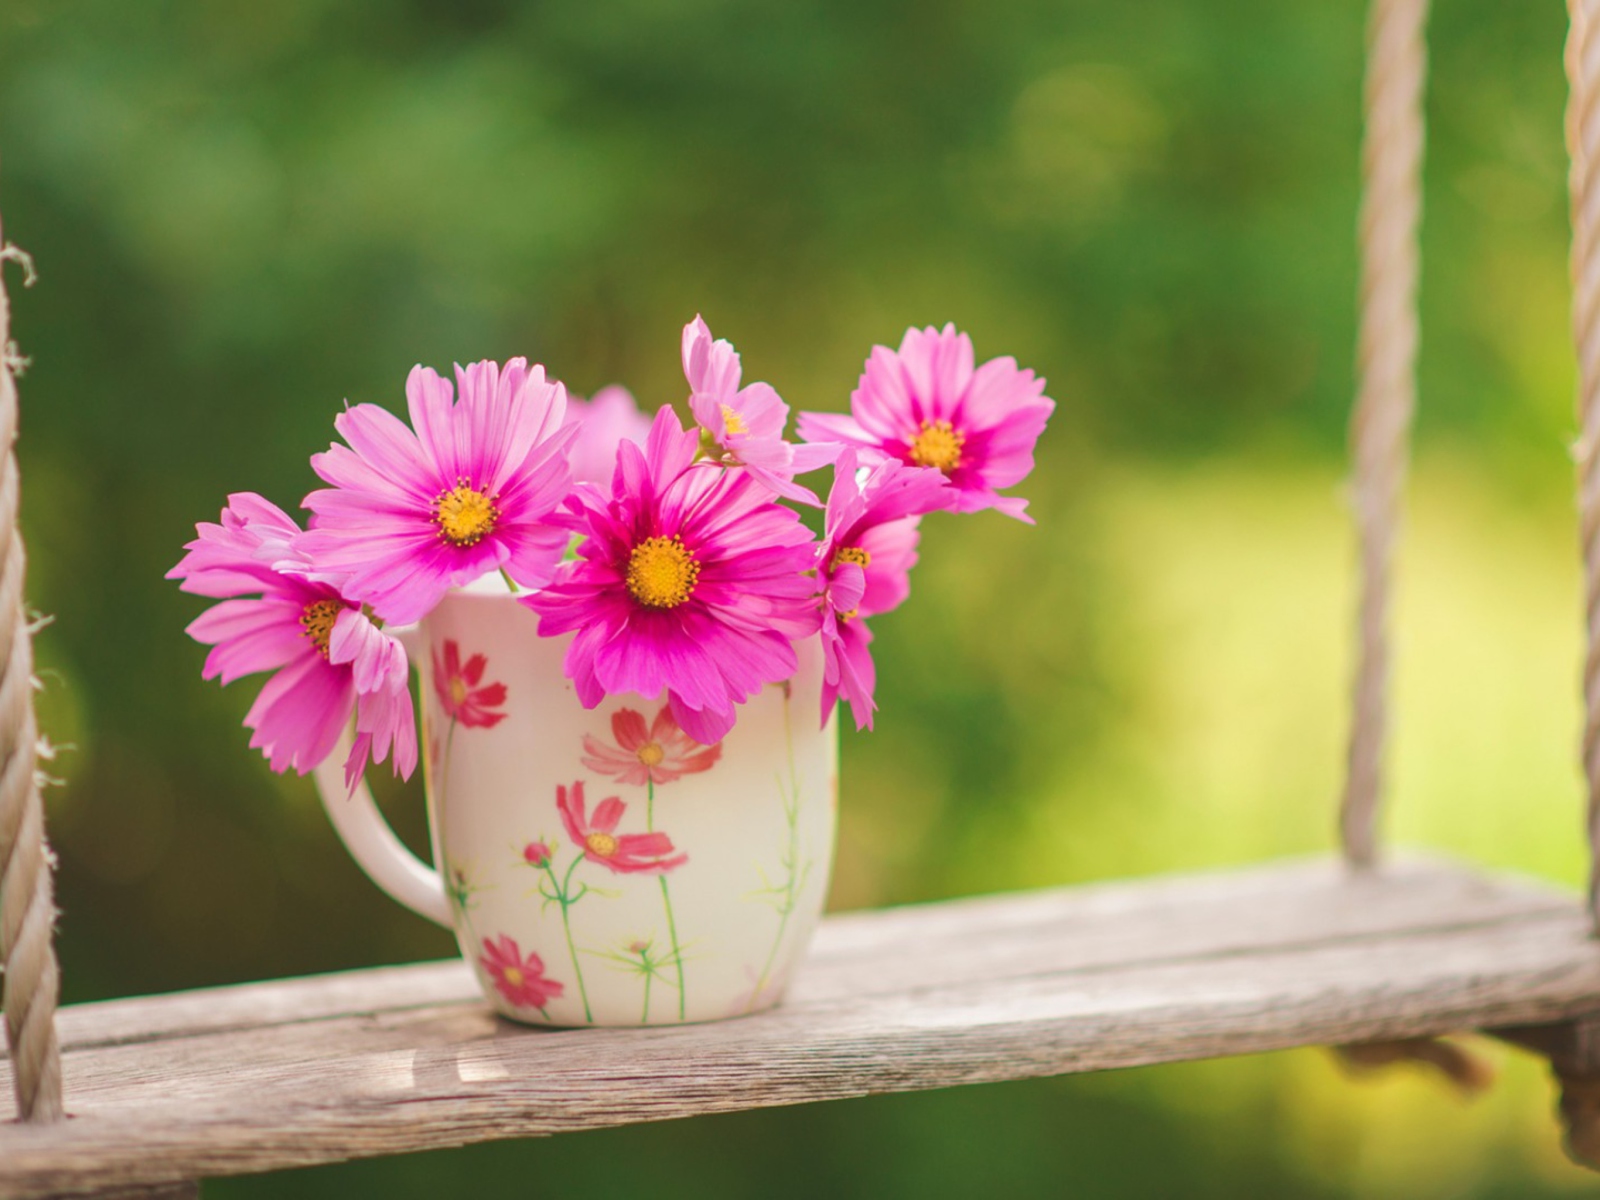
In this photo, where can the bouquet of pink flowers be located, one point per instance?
(667, 552)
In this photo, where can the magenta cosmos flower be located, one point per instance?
(521, 980)
(328, 659)
(622, 853)
(747, 423)
(457, 686)
(604, 423)
(925, 405)
(692, 580)
(655, 753)
(412, 514)
(864, 566)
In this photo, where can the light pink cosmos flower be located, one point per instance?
(604, 423)
(692, 581)
(747, 423)
(521, 980)
(278, 615)
(412, 514)
(621, 853)
(925, 405)
(864, 566)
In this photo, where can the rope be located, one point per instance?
(1391, 212)
(27, 906)
(1583, 146)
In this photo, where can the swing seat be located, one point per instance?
(259, 1077)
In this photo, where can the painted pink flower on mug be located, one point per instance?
(520, 979)
(622, 853)
(537, 854)
(655, 753)
(457, 686)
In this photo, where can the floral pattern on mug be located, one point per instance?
(460, 888)
(641, 958)
(537, 854)
(658, 753)
(456, 685)
(521, 980)
(622, 853)
(782, 893)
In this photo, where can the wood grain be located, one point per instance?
(255, 1078)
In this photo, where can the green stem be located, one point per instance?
(566, 883)
(566, 925)
(666, 896)
(672, 932)
(441, 785)
(644, 1018)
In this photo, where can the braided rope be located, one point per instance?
(27, 905)
(1391, 212)
(1583, 145)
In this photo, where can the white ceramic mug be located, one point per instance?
(598, 867)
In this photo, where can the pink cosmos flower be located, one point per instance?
(864, 566)
(621, 853)
(328, 659)
(658, 753)
(520, 980)
(413, 514)
(925, 405)
(456, 685)
(604, 423)
(692, 581)
(747, 423)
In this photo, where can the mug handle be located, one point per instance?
(372, 843)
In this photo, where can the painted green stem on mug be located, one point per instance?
(666, 896)
(566, 900)
(787, 895)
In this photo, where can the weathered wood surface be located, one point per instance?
(265, 1076)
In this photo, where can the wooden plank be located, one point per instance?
(961, 992)
(251, 1006)
(1293, 903)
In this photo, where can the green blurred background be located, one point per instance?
(244, 214)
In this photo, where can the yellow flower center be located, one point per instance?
(464, 515)
(317, 621)
(938, 445)
(851, 554)
(662, 572)
(733, 422)
(848, 616)
(602, 844)
(651, 753)
(458, 691)
(514, 976)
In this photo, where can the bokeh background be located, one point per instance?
(244, 214)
